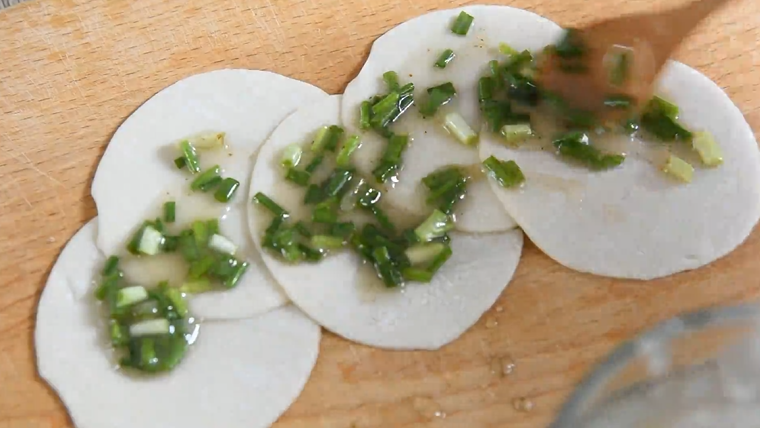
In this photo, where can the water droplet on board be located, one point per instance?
(491, 322)
(522, 404)
(502, 366)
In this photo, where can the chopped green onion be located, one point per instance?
(516, 133)
(151, 241)
(440, 177)
(486, 88)
(417, 275)
(201, 267)
(507, 174)
(207, 140)
(204, 181)
(437, 96)
(507, 50)
(679, 168)
(303, 229)
(325, 212)
(385, 268)
(291, 156)
(270, 205)
(435, 226)
(231, 280)
(310, 254)
(659, 119)
(170, 209)
(316, 161)
(618, 101)
(351, 197)
(383, 219)
(522, 89)
(663, 106)
(365, 111)
(575, 145)
(119, 333)
(423, 253)
(177, 299)
(462, 24)
(349, 147)
(179, 162)
(187, 246)
(369, 196)
(445, 58)
(337, 181)
(212, 226)
(326, 242)
(226, 190)
(149, 328)
(390, 163)
(196, 286)
(456, 125)
(298, 177)
(327, 138)
(111, 266)
(130, 295)
(191, 157)
(342, 229)
(442, 257)
(709, 150)
(313, 195)
(391, 80)
(222, 244)
(134, 242)
(449, 194)
(200, 233)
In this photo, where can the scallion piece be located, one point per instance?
(177, 299)
(486, 88)
(342, 230)
(200, 233)
(351, 197)
(617, 67)
(291, 156)
(206, 178)
(709, 150)
(298, 177)
(516, 133)
(151, 241)
(212, 226)
(190, 156)
(435, 226)
(269, 204)
(196, 286)
(365, 111)
(310, 254)
(303, 229)
(111, 266)
(462, 24)
(507, 174)
(118, 332)
(231, 280)
(456, 125)
(327, 138)
(226, 189)
(369, 196)
(575, 146)
(507, 50)
(208, 140)
(326, 242)
(130, 295)
(179, 162)
(679, 168)
(314, 195)
(422, 254)
(391, 80)
(149, 328)
(445, 58)
(571, 46)
(349, 147)
(663, 106)
(337, 182)
(201, 267)
(383, 219)
(325, 212)
(170, 211)
(437, 96)
(660, 119)
(390, 163)
(316, 161)
(439, 260)
(385, 268)
(417, 274)
(221, 244)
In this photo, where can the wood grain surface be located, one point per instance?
(71, 71)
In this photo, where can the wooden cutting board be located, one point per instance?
(72, 70)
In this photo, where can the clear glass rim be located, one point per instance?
(588, 388)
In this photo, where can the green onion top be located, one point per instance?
(462, 24)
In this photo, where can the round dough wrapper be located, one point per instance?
(635, 221)
(263, 362)
(136, 174)
(411, 49)
(344, 295)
